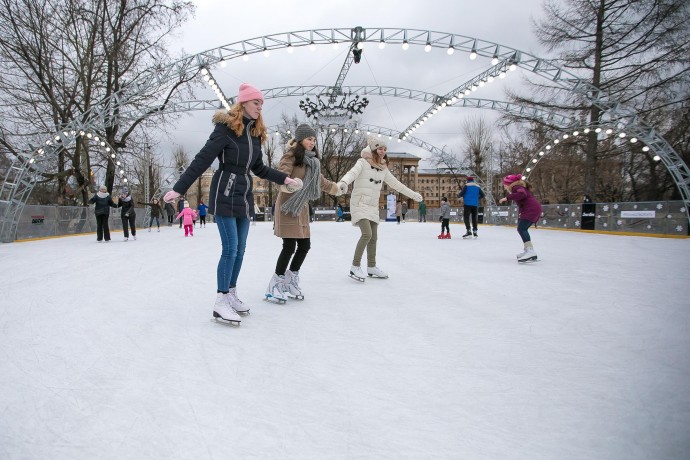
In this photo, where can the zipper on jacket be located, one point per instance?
(246, 171)
(231, 182)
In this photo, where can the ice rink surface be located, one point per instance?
(108, 351)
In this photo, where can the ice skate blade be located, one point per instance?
(296, 297)
(242, 313)
(379, 277)
(219, 319)
(275, 300)
(528, 260)
(356, 278)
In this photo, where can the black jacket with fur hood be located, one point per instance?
(231, 188)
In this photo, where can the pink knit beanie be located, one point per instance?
(509, 179)
(249, 93)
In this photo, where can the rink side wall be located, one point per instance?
(652, 217)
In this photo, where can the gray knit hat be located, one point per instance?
(304, 131)
(376, 143)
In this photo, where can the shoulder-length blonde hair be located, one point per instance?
(236, 113)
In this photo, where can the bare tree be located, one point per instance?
(638, 52)
(59, 58)
(478, 136)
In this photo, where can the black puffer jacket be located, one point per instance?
(231, 188)
(103, 203)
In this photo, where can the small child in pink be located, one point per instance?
(188, 216)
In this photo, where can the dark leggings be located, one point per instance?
(302, 244)
(202, 220)
(444, 224)
(129, 221)
(523, 225)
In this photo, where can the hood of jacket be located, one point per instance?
(369, 156)
(222, 116)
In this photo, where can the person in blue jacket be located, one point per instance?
(471, 193)
(202, 213)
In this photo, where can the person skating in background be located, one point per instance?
(403, 210)
(340, 213)
(170, 212)
(529, 212)
(180, 207)
(471, 193)
(236, 143)
(422, 211)
(128, 215)
(202, 213)
(398, 211)
(301, 161)
(367, 177)
(103, 202)
(156, 213)
(444, 218)
(188, 215)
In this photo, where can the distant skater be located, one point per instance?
(529, 212)
(445, 219)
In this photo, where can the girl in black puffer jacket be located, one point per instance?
(236, 143)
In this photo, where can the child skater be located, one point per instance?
(444, 218)
(301, 162)
(188, 217)
(529, 211)
(367, 177)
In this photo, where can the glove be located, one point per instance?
(171, 196)
(342, 187)
(417, 197)
(296, 185)
(440, 218)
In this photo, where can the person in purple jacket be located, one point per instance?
(529, 211)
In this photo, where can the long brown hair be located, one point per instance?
(377, 159)
(236, 113)
(298, 152)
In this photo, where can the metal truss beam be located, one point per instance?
(18, 184)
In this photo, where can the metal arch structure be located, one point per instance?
(21, 175)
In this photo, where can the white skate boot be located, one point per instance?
(376, 272)
(275, 292)
(292, 283)
(357, 273)
(528, 256)
(223, 312)
(235, 303)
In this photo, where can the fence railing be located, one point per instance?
(652, 217)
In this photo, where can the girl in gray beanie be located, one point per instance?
(301, 162)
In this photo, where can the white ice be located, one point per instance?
(108, 351)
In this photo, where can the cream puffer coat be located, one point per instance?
(287, 225)
(368, 178)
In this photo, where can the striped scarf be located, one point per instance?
(311, 189)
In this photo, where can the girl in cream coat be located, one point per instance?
(367, 177)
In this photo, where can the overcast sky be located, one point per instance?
(505, 22)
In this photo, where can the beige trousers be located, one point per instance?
(367, 240)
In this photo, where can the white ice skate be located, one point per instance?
(235, 303)
(292, 283)
(357, 273)
(222, 311)
(376, 272)
(275, 292)
(528, 256)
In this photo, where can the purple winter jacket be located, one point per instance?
(529, 207)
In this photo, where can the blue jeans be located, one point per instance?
(523, 225)
(233, 236)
